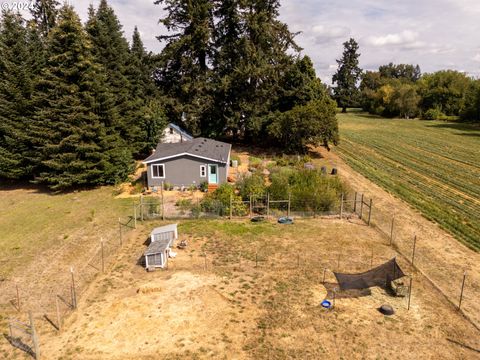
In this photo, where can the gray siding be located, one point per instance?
(185, 171)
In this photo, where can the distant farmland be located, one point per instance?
(433, 165)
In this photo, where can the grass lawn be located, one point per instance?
(32, 221)
(433, 165)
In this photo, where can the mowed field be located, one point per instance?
(433, 165)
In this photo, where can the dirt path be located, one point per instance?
(438, 255)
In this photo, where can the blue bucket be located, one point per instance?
(326, 304)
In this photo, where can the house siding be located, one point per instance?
(185, 171)
(174, 137)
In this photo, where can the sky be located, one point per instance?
(436, 34)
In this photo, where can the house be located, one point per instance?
(161, 240)
(189, 163)
(175, 134)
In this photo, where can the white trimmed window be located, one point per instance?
(203, 170)
(158, 171)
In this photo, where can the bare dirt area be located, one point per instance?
(253, 291)
(438, 254)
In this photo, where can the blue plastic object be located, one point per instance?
(326, 304)
(285, 220)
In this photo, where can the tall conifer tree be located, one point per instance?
(77, 144)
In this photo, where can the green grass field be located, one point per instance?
(433, 165)
(32, 221)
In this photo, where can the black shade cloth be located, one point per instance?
(379, 276)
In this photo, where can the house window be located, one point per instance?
(158, 171)
(203, 171)
(171, 130)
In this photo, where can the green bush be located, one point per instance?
(218, 202)
(309, 189)
(251, 185)
(433, 114)
(254, 162)
(203, 186)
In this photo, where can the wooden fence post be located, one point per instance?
(256, 259)
(414, 248)
(391, 230)
(361, 207)
(36, 346)
(324, 272)
(410, 292)
(341, 207)
(205, 265)
(461, 293)
(355, 203)
(163, 202)
(370, 211)
(141, 208)
(103, 255)
(134, 215)
(57, 307)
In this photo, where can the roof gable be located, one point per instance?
(202, 148)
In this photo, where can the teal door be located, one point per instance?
(212, 174)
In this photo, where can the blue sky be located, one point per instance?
(436, 34)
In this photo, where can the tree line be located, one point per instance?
(401, 90)
(78, 102)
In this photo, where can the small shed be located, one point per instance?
(161, 240)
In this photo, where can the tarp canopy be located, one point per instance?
(379, 276)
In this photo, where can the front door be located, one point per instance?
(212, 174)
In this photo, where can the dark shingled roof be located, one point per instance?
(198, 147)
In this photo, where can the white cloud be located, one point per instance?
(406, 38)
(477, 58)
(325, 34)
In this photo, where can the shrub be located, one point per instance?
(254, 162)
(167, 186)
(203, 186)
(218, 202)
(251, 185)
(433, 114)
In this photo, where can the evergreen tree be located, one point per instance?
(111, 49)
(44, 13)
(347, 76)
(77, 142)
(17, 82)
(184, 71)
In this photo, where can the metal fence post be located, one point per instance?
(74, 293)
(370, 211)
(36, 346)
(410, 292)
(251, 206)
(391, 230)
(103, 255)
(341, 207)
(120, 231)
(414, 248)
(268, 205)
(289, 203)
(57, 307)
(361, 207)
(461, 293)
(355, 203)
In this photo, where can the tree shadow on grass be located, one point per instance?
(467, 129)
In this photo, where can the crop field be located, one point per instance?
(433, 165)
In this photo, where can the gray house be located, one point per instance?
(189, 163)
